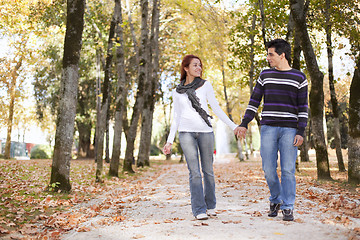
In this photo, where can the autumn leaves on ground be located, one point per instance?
(29, 212)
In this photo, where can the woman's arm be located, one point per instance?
(176, 119)
(214, 104)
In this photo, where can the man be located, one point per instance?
(283, 121)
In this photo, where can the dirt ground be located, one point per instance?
(160, 209)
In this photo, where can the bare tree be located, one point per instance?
(60, 170)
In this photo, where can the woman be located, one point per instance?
(191, 119)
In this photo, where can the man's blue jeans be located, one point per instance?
(274, 140)
(193, 143)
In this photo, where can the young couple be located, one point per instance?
(284, 118)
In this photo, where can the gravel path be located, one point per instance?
(161, 210)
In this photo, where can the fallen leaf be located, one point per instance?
(83, 229)
(201, 224)
(3, 230)
(138, 236)
(256, 214)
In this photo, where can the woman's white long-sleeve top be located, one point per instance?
(186, 119)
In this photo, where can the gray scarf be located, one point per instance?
(195, 101)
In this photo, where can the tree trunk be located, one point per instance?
(132, 31)
(149, 104)
(354, 128)
(84, 129)
(60, 170)
(304, 148)
(262, 13)
(142, 81)
(98, 98)
(12, 91)
(252, 61)
(107, 132)
(101, 125)
(120, 92)
(317, 93)
(334, 102)
(240, 150)
(228, 110)
(296, 51)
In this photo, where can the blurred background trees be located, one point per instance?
(130, 59)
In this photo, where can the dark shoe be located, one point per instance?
(288, 215)
(274, 208)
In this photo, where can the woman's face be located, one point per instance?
(194, 69)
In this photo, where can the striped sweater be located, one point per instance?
(285, 99)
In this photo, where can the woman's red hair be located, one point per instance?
(186, 62)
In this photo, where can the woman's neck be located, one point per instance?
(189, 79)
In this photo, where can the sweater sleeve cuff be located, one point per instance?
(244, 124)
(300, 132)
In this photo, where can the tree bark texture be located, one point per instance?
(334, 102)
(304, 148)
(84, 129)
(120, 92)
(296, 56)
(252, 64)
(316, 93)
(101, 125)
(132, 31)
(354, 128)
(60, 170)
(262, 13)
(142, 81)
(98, 96)
(107, 132)
(12, 91)
(150, 98)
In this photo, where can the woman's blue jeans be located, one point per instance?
(193, 143)
(274, 140)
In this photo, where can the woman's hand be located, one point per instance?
(167, 148)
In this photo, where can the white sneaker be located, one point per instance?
(201, 216)
(211, 212)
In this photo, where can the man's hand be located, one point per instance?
(298, 140)
(240, 132)
(167, 148)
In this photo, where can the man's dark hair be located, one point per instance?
(281, 46)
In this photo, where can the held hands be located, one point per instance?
(167, 148)
(240, 132)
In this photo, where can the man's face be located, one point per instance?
(273, 58)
